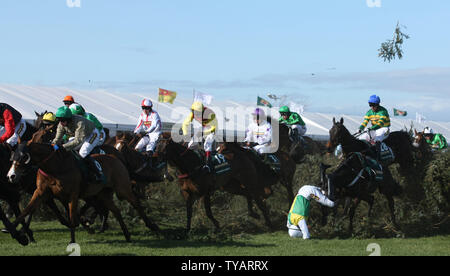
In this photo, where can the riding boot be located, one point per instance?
(378, 150)
(94, 169)
(209, 167)
(149, 158)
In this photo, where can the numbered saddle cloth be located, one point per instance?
(83, 166)
(373, 168)
(220, 164)
(386, 155)
(272, 161)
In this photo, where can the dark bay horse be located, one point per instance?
(195, 183)
(136, 161)
(399, 141)
(59, 175)
(352, 179)
(298, 150)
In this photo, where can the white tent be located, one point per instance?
(120, 111)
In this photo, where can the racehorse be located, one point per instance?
(354, 178)
(61, 176)
(136, 161)
(46, 134)
(398, 141)
(421, 145)
(297, 149)
(195, 183)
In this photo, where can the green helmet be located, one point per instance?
(284, 109)
(77, 109)
(63, 113)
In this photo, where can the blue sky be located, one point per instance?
(235, 50)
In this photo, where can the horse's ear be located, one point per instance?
(415, 132)
(342, 120)
(37, 114)
(334, 121)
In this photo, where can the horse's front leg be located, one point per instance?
(207, 204)
(73, 217)
(355, 204)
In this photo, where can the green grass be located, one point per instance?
(52, 239)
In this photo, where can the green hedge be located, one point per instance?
(422, 212)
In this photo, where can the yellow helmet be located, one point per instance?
(197, 106)
(49, 117)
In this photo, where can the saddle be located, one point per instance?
(90, 168)
(371, 166)
(219, 162)
(269, 159)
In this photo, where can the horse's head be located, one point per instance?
(418, 139)
(21, 161)
(45, 134)
(38, 123)
(338, 133)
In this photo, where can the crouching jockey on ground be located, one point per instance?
(299, 212)
(85, 137)
(12, 125)
(260, 132)
(295, 122)
(207, 118)
(79, 110)
(150, 124)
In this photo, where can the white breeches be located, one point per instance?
(18, 132)
(378, 135)
(300, 231)
(148, 142)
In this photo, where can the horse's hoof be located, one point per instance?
(255, 215)
(5, 231)
(22, 239)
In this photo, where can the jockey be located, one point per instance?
(381, 122)
(79, 110)
(12, 125)
(260, 132)
(149, 123)
(437, 141)
(207, 118)
(294, 121)
(85, 137)
(68, 100)
(49, 118)
(299, 211)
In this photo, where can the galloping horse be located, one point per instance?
(352, 179)
(398, 141)
(298, 150)
(136, 161)
(196, 184)
(60, 175)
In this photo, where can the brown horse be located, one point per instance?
(46, 134)
(195, 183)
(61, 176)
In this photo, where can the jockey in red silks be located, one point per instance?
(12, 125)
